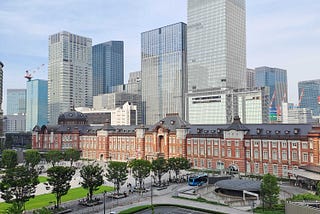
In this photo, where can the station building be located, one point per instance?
(246, 148)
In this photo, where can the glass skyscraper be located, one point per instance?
(309, 92)
(16, 101)
(37, 103)
(69, 73)
(107, 66)
(276, 80)
(216, 44)
(163, 71)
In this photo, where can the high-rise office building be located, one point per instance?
(309, 92)
(250, 78)
(221, 106)
(216, 44)
(37, 103)
(69, 73)
(276, 80)
(107, 66)
(16, 101)
(1, 111)
(163, 71)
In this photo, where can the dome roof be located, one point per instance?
(72, 116)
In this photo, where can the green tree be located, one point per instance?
(270, 190)
(177, 164)
(160, 167)
(43, 210)
(9, 158)
(32, 158)
(140, 170)
(92, 176)
(117, 173)
(18, 185)
(53, 157)
(59, 178)
(72, 155)
(318, 188)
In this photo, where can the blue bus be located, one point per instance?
(198, 180)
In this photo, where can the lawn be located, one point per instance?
(45, 199)
(43, 179)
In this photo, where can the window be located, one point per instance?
(274, 144)
(284, 144)
(265, 169)
(247, 143)
(265, 155)
(294, 155)
(256, 168)
(256, 143)
(215, 152)
(209, 164)
(284, 155)
(265, 144)
(228, 142)
(305, 145)
(248, 154)
(195, 161)
(256, 154)
(222, 152)
(195, 150)
(311, 144)
(189, 141)
(209, 150)
(201, 151)
(294, 145)
(236, 143)
(275, 169)
(202, 163)
(305, 157)
(248, 167)
(229, 153)
(237, 153)
(220, 165)
(285, 171)
(216, 142)
(274, 154)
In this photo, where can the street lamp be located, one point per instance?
(104, 202)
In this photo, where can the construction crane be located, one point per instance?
(300, 97)
(272, 99)
(28, 74)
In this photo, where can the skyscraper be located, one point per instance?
(250, 78)
(163, 71)
(216, 44)
(276, 80)
(37, 103)
(16, 101)
(309, 92)
(108, 66)
(1, 111)
(69, 73)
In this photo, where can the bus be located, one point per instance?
(198, 180)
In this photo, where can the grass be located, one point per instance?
(202, 200)
(135, 209)
(144, 207)
(45, 199)
(43, 179)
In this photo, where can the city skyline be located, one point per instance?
(277, 35)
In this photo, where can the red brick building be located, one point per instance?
(249, 148)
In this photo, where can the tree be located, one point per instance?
(9, 158)
(59, 178)
(117, 173)
(53, 156)
(318, 188)
(140, 169)
(72, 155)
(92, 176)
(18, 185)
(177, 164)
(159, 167)
(32, 158)
(270, 190)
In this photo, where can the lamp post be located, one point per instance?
(104, 202)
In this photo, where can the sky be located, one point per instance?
(283, 34)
